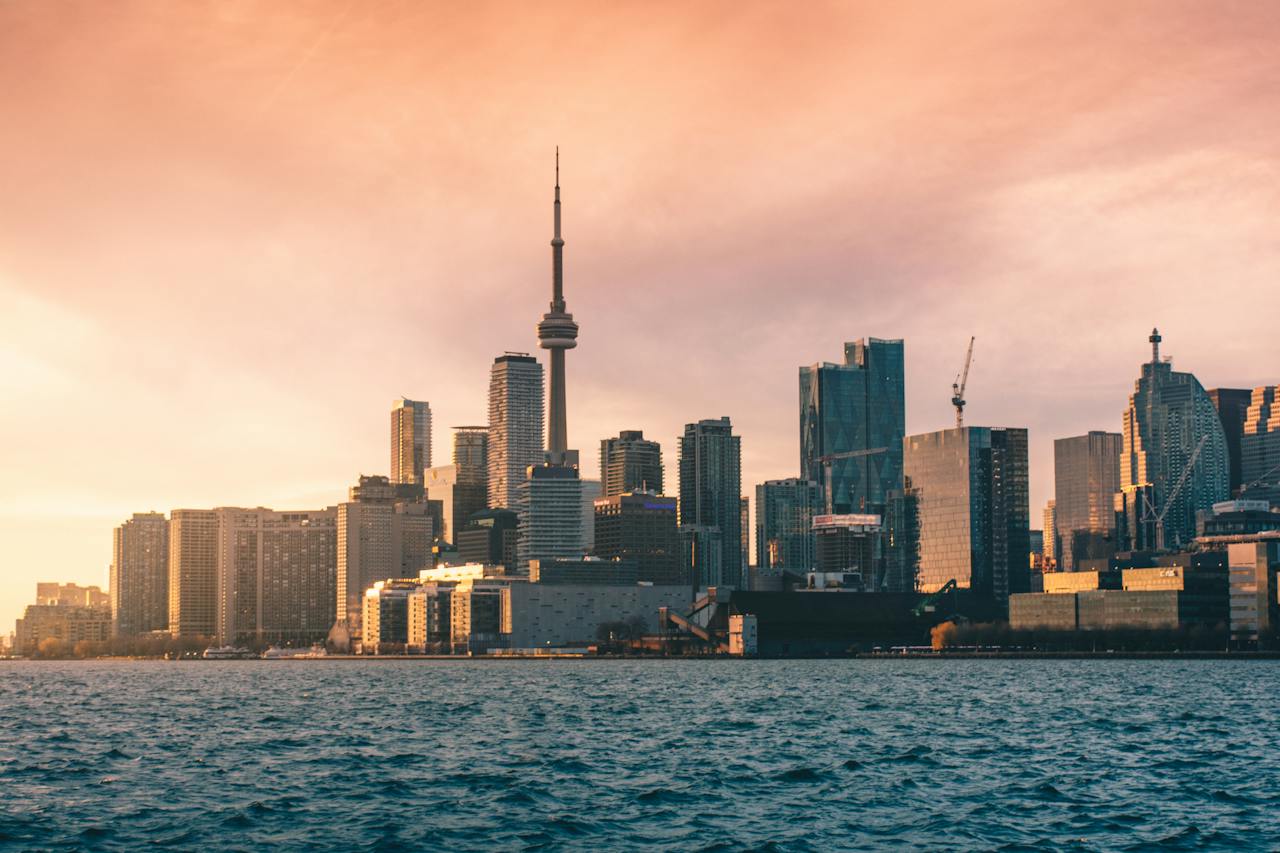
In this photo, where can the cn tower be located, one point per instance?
(557, 332)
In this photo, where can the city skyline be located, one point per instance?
(136, 308)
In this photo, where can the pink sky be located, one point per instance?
(231, 233)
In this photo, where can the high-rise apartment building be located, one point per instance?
(193, 572)
(785, 510)
(515, 425)
(852, 422)
(140, 575)
(471, 456)
(1232, 405)
(1260, 446)
(277, 575)
(378, 537)
(641, 527)
(410, 440)
(630, 463)
(710, 498)
(1086, 476)
(549, 503)
(1171, 428)
(969, 487)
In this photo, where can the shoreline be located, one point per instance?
(876, 656)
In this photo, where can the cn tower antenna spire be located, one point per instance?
(557, 332)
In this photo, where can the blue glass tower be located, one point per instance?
(852, 422)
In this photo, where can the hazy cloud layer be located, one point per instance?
(232, 232)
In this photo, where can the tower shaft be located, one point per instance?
(557, 332)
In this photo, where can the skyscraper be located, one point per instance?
(1232, 405)
(641, 527)
(549, 503)
(1260, 446)
(471, 455)
(515, 425)
(784, 524)
(629, 463)
(193, 572)
(378, 537)
(1170, 429)
(557, 332)
(710, 493)
(140, 575)
(410, 440)
(972, 520)
(852, 422)
(276, 575)
(1086, 471)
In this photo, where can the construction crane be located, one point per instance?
(832, 457)
(930, 604)
(957, 387)
(1168, 503)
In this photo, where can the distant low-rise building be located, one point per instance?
(68, 623)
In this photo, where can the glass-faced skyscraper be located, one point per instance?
(710, 494)
(410, 440)
(515, 425)
(784, 524)
(852, 422)
(1168, 418)
(969, 490)
(1086, 477)
(1260, 446)
(471, 456)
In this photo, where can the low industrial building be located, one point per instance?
(539, 614)
(1181, 593)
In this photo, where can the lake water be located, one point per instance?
(687, 755)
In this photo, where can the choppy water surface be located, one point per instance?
(691, 755)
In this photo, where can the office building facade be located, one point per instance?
(641, 528)
(970, 487)
(630, 463)
(1260, 446)
(710, 497)
(1174, 461)
(1086, 478)
(785, 510)
(1232, 405)
(491, 538)
(410, 440)
(852, 423)
(471, 458)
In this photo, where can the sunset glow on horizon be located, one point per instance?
(232, 233)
